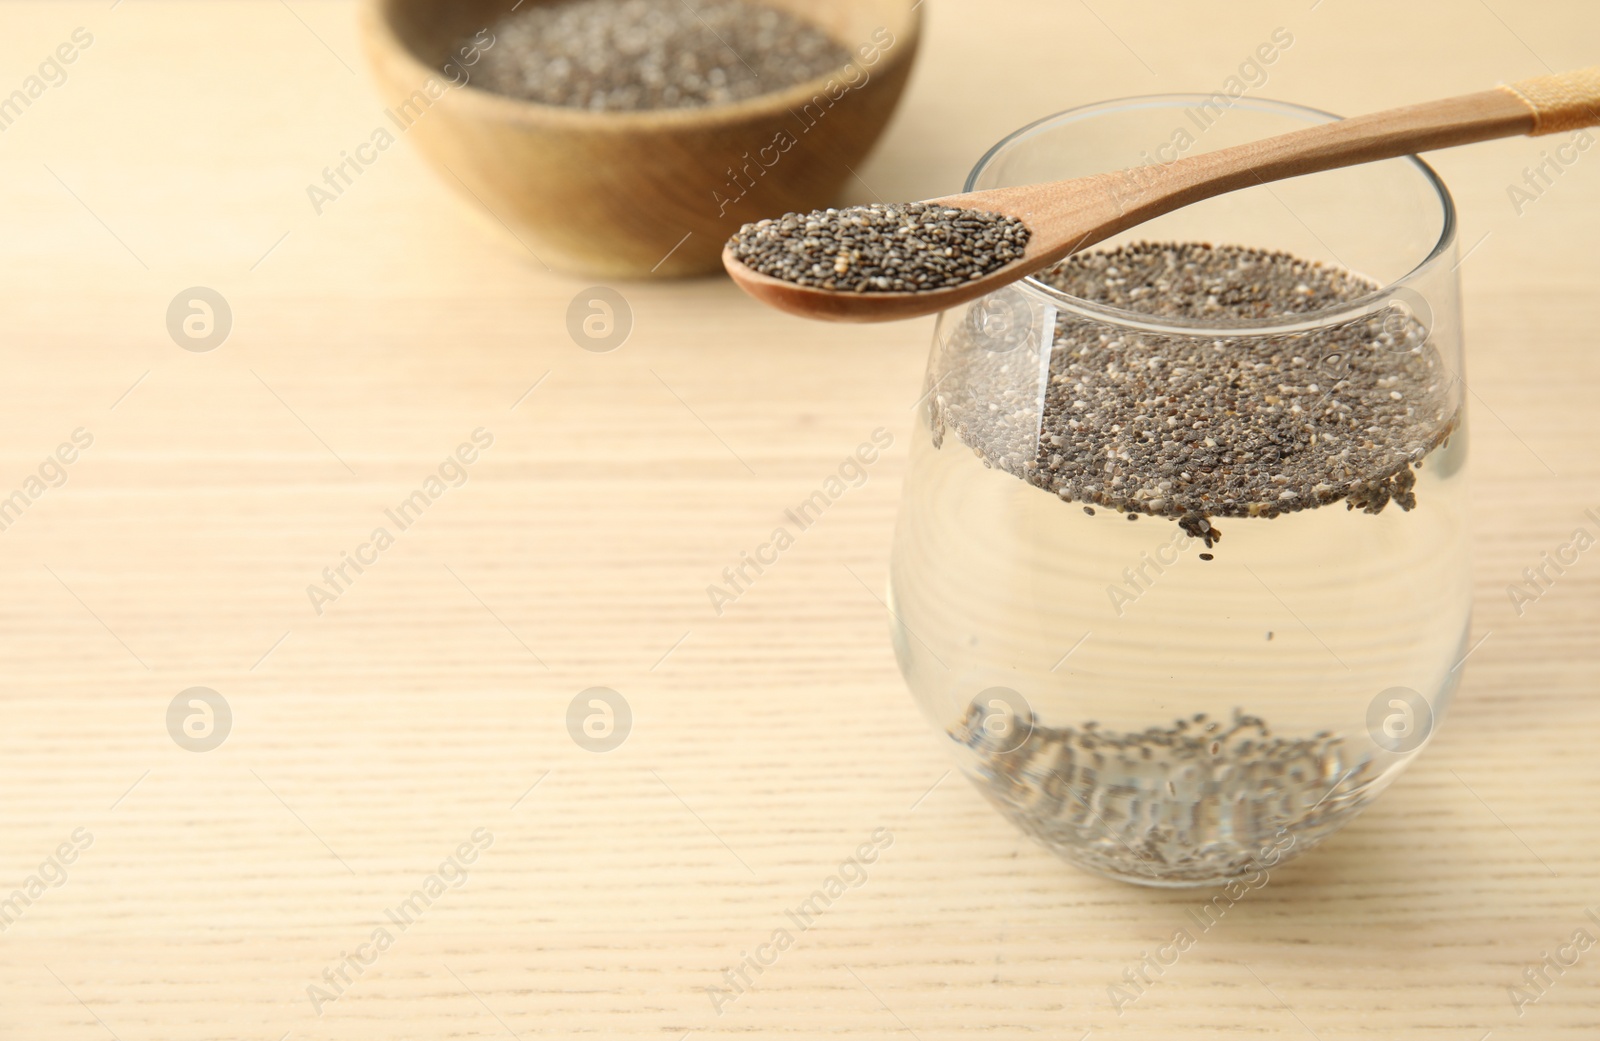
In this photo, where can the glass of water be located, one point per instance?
(1181, 563)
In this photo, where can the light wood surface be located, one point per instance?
(768, 743)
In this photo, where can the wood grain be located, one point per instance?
(769, 742)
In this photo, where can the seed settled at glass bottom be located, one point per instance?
(1199, 801)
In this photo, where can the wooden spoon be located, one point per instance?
(1065, 216)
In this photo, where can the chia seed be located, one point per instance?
(628, 55)
(1217, 424)
(893, 248)
(1192, 802)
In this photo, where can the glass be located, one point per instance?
(1147, 714)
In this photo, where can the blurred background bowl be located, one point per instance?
(649, 193)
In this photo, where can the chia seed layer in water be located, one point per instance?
(626, 55)
(903, 247)
(1213, 425)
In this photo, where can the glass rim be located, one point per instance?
(1377, 301)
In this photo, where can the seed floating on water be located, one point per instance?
(627, 55)
(1223, 424)
(895, 248)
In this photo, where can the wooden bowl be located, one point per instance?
(637, 194)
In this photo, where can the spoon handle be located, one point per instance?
(1545, 105)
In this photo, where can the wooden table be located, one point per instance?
(427, 702)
